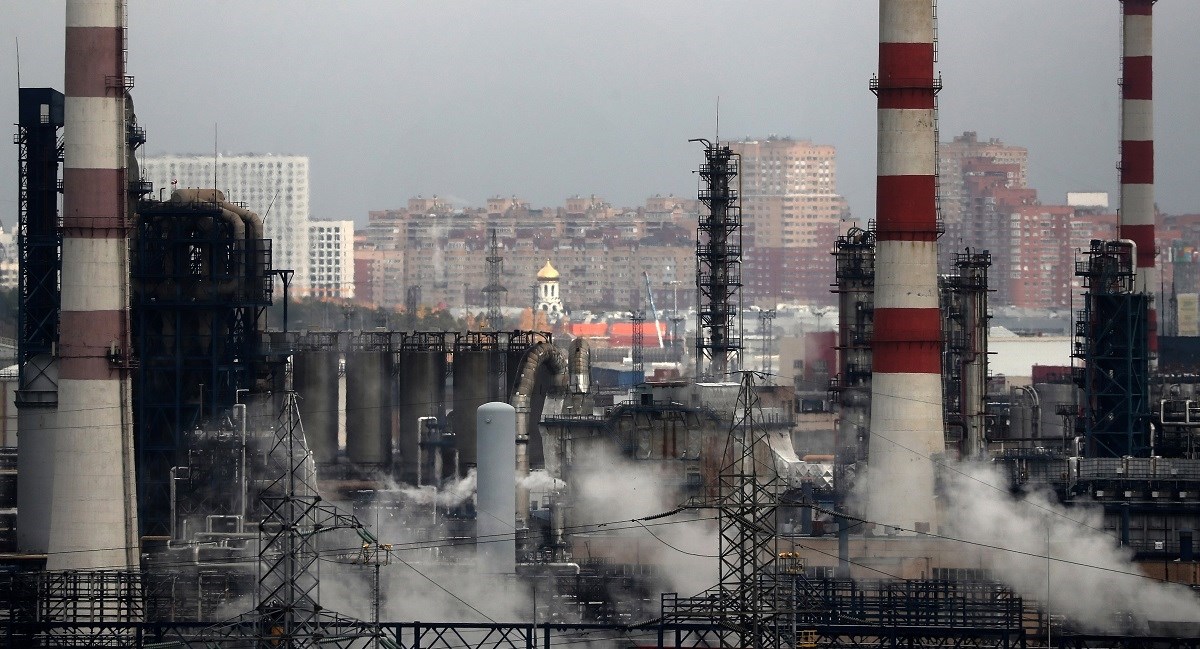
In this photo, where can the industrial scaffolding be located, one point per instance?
(1111, 339)
(854, 258)
(964, 359)
(718, 265)
(39, 239)
(200, 293)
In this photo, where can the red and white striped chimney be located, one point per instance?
(94, 522)
(1137, 147)
(906, 382)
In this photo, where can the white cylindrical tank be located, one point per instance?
(496, 487)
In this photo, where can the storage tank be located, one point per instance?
(315, 378)
(472, 382)
(421, 392)
(1020, 416)
(1052, 395)
(369, 408)
(496, 490)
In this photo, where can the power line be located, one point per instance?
(1033, 555)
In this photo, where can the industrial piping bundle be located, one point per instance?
(94, 518)
(1137, 148)
(906, 382)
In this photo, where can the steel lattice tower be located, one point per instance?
(718, 264)
(288, 612)
(39, 240)
(412, 302)
(752, 595)
(494, 291)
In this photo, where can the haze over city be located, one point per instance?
(473, 99)
(677, 324)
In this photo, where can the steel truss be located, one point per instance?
(656, 633)
(964, 356)
(287, 612)
(39, 241)
(494, 291)
(1112, 340)
(718, 264)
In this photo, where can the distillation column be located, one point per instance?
(906, 384)
(1137, 149)
(95, 517)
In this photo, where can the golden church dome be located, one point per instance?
(547, 272)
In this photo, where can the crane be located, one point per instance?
(653, 311)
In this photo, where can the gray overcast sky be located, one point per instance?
(548, 99)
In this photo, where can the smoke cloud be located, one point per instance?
(608, 487)
(451, 494)
(540, 481)
(432, 574)
(1089, 578)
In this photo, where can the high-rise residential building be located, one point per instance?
(1039, 260)
(274, 186)
(602, 252)
(9, 259)
(952, 176)
(331, 259)
(790, 212)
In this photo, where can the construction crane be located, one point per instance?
(653, 311)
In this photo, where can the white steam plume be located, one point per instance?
(451, 494)
(1091, 579)
(608, 487)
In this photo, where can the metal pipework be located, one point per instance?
(542, 353)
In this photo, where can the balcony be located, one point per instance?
(119, 82)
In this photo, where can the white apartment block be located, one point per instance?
(9, 259)
(274, 186)
(331, 259)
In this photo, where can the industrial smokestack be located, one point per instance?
(1137, 148)
(94, 522)
(906, 382)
